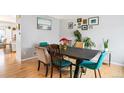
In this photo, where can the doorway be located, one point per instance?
(7, 38)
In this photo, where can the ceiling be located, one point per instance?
(8, 18)
(12, 18)
(68, 16)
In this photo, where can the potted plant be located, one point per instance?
(88, 43)
(106, 42)
(78, 40)
(78, 36)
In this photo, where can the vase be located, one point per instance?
(79, 44)
(63, 47)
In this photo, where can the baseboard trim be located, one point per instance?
(28, 58)
(112, 62)
(116, 63)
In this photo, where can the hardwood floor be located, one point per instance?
(9, 68)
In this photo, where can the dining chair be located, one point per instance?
(93, 65)
(58, 60)
(43, 57)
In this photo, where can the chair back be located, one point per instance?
(101, 59)
(54, 48)
(55, 52)
(42, 54)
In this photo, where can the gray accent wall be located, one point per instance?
(30, 35)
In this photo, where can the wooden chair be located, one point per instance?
(43, 57)
(58, 60)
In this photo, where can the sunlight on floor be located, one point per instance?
(2, 57)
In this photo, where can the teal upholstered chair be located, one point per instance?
(58, 60)
(43, 44)
(92, 65)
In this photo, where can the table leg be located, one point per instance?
(76, 73)
(109, 59)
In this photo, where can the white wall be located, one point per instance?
(18, 42)
(31, 36)
(110, 27)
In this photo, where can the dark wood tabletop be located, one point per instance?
(79, 54)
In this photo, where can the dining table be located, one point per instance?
(79, 54)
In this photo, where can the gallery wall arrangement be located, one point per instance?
(84, 24)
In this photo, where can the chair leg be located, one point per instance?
(60, 72)
(51, 71)
(95, 73)
(70, 71)
(38, 65)
(85, 71)
(99, 73)
(82, 71)
(46, 70)
(81, 74)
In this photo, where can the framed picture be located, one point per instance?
(44, 24)
(90, 26)
(84, 27)
(93, 21)
(74, 25)
(79, 20)
(70, 25)
(79, 24)
(85, 21)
